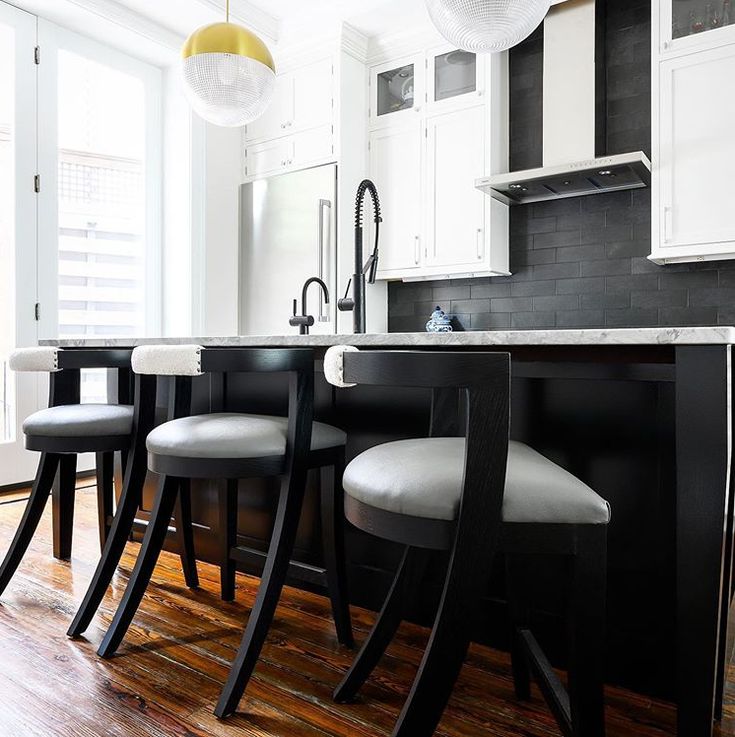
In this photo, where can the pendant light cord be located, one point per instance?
(227, 10)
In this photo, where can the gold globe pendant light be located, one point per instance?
(229, 74)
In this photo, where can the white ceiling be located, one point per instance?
(372, 17)
(154, 30)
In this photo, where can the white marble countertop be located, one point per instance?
(716, 335)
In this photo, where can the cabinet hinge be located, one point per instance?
(426, 132)
(37, 183)
(37, 311)
(37, 55)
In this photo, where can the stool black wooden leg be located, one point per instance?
(62, 502)
(147, 557)
(185, 534)
(517, 579)
(450, 638)
(333, 536)
(122, 524)
(405, 585)
(269, 591)
(105, 464)
(587, 596)
(34, 509)
(228, 538)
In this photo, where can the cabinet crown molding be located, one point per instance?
(403, 42)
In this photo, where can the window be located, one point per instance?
(101, 200)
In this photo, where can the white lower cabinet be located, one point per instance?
(694, 156)
(396, 169)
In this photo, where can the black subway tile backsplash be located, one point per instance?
(580, 262)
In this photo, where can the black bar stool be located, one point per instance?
(233, 446)
(67, 428)
(472, 496)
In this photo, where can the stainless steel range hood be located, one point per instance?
(604, 174)
(574, 117)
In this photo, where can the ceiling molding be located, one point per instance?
(354, 42)
(248, 14)
(120, 15)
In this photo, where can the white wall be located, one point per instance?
(176, 268)
(222, 177)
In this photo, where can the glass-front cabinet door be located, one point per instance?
(397, 90)
(454, 77)
(694, 23)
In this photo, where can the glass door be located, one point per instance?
(19, 393)
(100, 156)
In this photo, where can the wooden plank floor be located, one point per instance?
(167, 676)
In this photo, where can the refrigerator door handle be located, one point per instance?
(324, 234)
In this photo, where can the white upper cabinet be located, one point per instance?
(693, 218)
(696, 156)
(396, 169)
(687, 25)
(455, 208)
(272, 123)
(397, 90)
(313, 95)
(303, 100)
(433, 118)
(454, 78)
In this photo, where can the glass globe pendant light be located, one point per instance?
(229, 74)
(486, 25)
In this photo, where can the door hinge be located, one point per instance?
(37, 311)
(37, 183)
(37, 55)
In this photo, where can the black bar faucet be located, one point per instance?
(356, 303)
(304, 321)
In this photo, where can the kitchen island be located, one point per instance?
(643, 416)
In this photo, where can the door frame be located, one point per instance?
(17, 465)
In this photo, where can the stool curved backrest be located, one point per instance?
(184, 362)
(64, 367)
(482, 381)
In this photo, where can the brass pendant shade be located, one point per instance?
(229, 73)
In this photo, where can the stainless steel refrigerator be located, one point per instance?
(288, 234)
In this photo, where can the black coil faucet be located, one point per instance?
(356, 303)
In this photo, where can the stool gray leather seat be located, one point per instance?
(80, 420)
(233, 435)
(424, 478)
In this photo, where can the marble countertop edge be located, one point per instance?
(715, 335)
